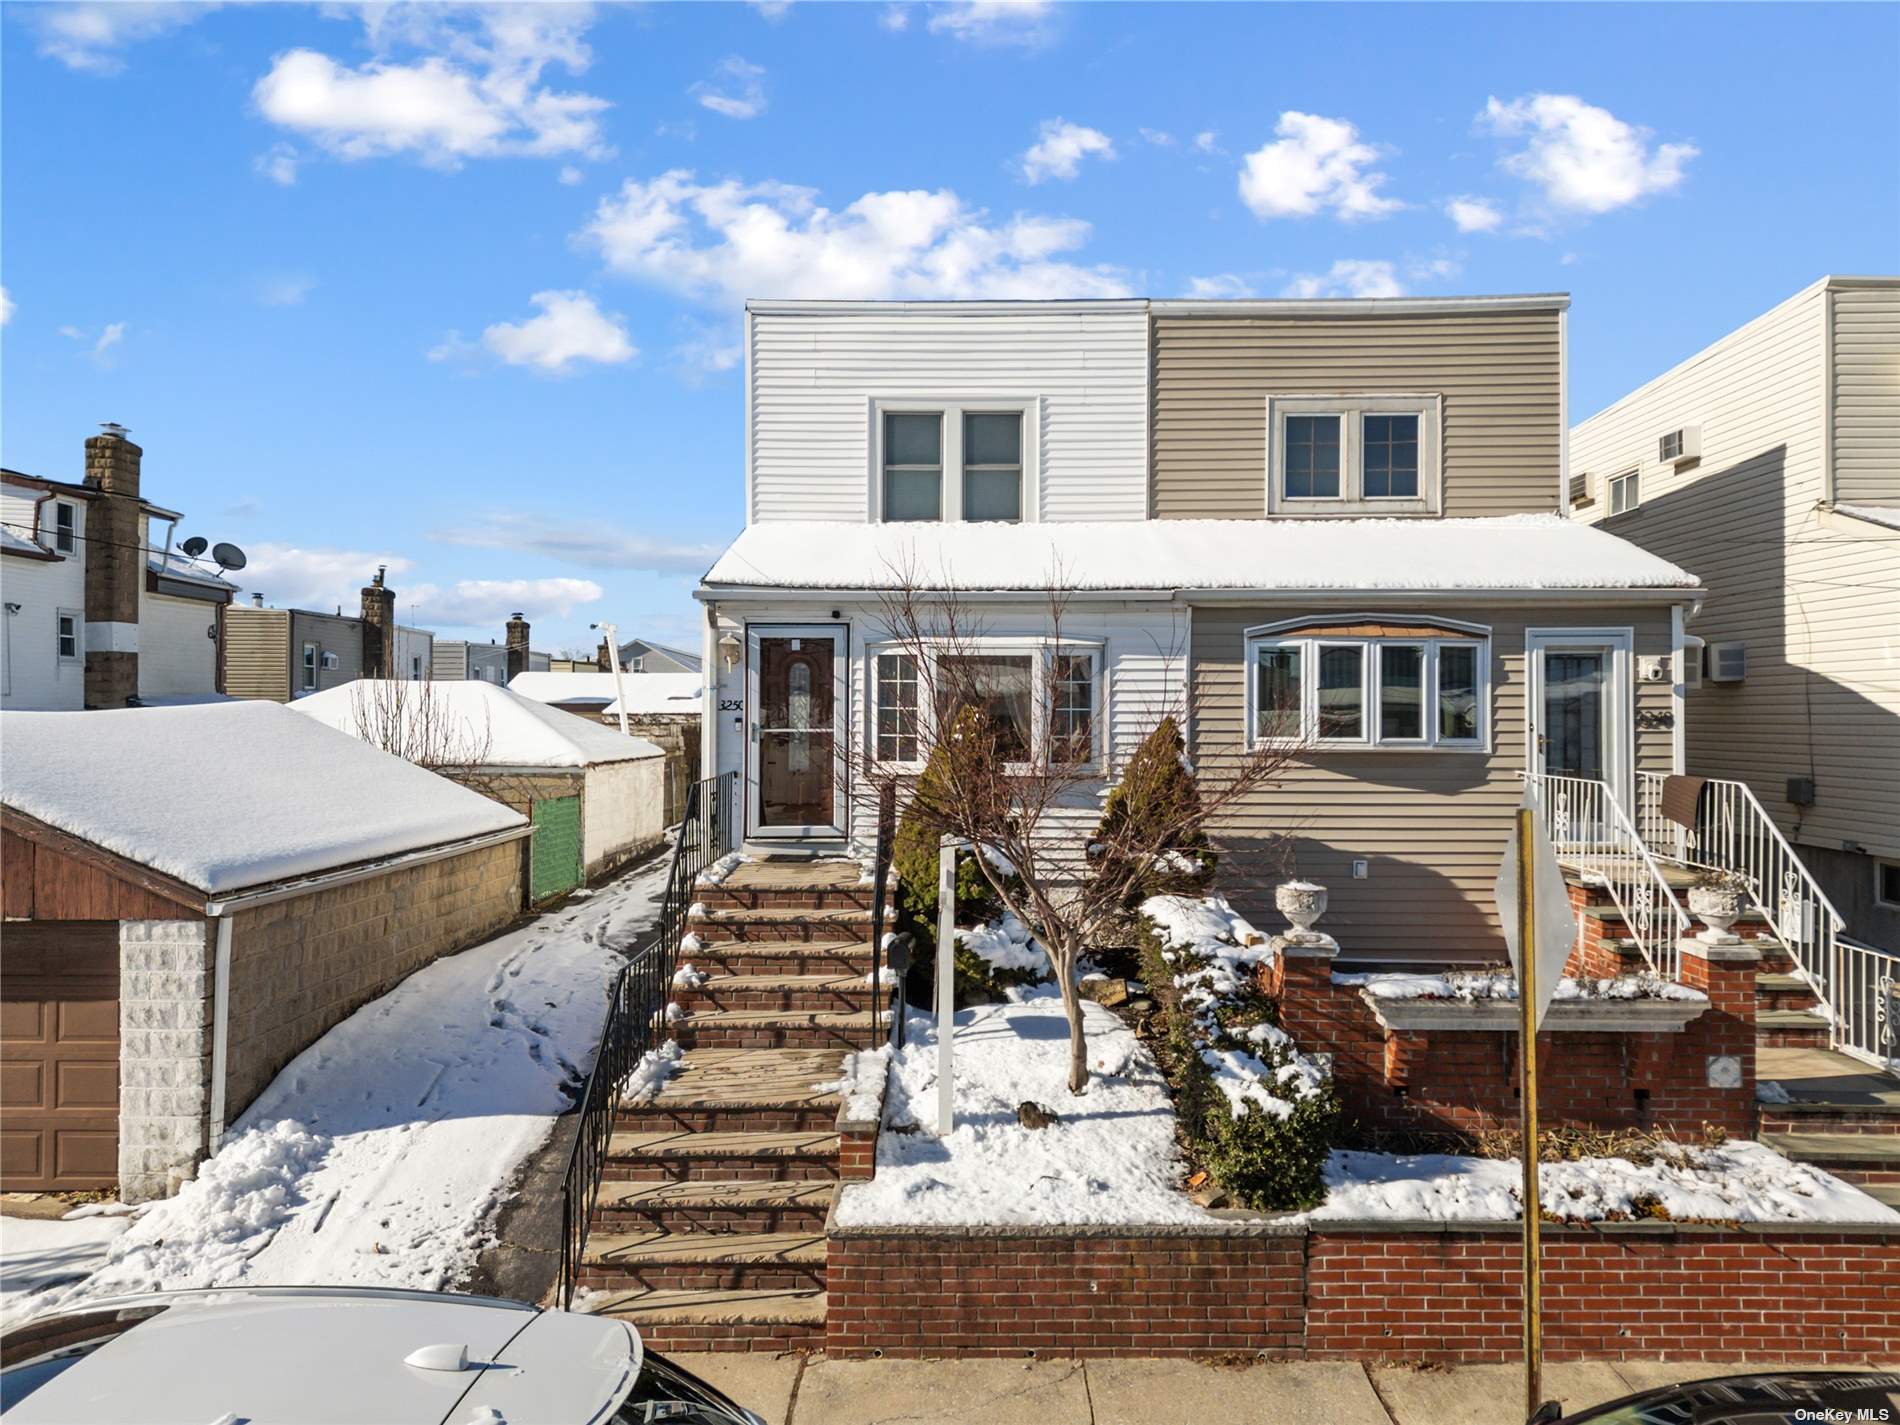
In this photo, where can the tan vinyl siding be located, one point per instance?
(1867, 395)
(1498, 372)
(257, 653)
(1432, 825)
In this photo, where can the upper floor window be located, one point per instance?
(1368, 682)
(1624, 493)
(1353, 455)
(309, 666)
(955, 461)
(65, 526)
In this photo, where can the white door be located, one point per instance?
(1580, 718)
(797, 735)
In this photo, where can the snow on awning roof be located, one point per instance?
(1286, 555)
(182, 567)
(230, 796)
(504, 728)
(675, 693)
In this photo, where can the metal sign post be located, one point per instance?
(946, 982)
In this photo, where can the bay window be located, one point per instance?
(1389, 685)
(954, 461)
(1001, 687)
(1041, 700)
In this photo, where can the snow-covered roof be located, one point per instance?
(19, 543)
(182, 567)
(1873, 514)
(498, 727)
(1371, 555)
(229, 796)
(646, 693)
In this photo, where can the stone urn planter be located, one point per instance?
(1716, 906)
(1303, 903)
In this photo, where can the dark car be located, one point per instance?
(1845, 1397)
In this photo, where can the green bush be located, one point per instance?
(1157, 793)
(1267, 1162)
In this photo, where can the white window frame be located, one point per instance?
(1042, 650)
(1456, 633)
(1633, 479)
(951, 411)
(1352, 408)
(78, 621)
(1619, 741)
(66, 540)
(311, 662)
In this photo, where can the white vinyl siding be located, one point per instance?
(1867, 395)
(177, 652)
(816, 376)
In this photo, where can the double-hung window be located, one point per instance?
(955, 461)
(310, 667)
(1367, 683)
(66, 636)
(65, 526)
(1625, 492)
(1041, 701)
(1353, 455)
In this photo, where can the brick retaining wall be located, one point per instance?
(1365, 1292)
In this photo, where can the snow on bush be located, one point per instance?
(1731, 1182)
(1007, 945)
(646, 1078)
(1261, 1112)
(1110, 1158)
(1473, 985)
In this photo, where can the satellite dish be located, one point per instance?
(195, 546)
(228, 556)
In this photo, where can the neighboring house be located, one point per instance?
(1768, 464)
(641, 655)
(193, 895)
(663, 707)
(597, 799)
(87, 621)
(457, 660)
(285, 654)
(540, 662)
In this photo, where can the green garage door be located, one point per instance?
(557, 847)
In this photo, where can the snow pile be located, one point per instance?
(294, 797)
(1006, 944)
(1250, 1063)
(1111, 1157)
(688, 978)
(474, 721)
(379, 1155)
(1734, 1182)
(716, 873)
(861, 1084)
(1543, 551)
(646, 1078)
(1473, 985)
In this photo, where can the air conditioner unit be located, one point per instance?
(1725, 662)
(1677, 447)
(330, 660)
(1690, 672)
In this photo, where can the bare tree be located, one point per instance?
(415, 722)
(1023, 741)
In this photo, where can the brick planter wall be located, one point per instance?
(1373, 1292)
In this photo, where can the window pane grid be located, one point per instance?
(992, 465)
(897, 707)
(1072, 708)
(913, 465)
(1390, 457)
(1312, 457)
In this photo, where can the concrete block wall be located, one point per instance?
(165, 983)
(300, 966)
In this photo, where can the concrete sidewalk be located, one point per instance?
(791, 1389)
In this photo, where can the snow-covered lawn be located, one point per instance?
(1111, 1159)
(380, 1154)
(39, 1253)
(1735, 1182)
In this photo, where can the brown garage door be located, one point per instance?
(59, 1055)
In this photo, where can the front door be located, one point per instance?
(797, 732)
(1580, 721)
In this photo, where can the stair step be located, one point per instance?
(715, 1318)
(1790, 1019)
(744, 1090)
(1872, 1150)
(1782, 984)
(1888, 1193)
(714, 1205)
(673, 1156)
(839, 990)
(823, 955)
(656, 1248)
(780, 1028)
(721, 1145)
(777, 923)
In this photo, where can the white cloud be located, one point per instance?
(285, 290)
(1583, 158)
(480, 603)
(295, 576)
(93, 36)
(1208, 141)
(570, 328)
(709, 351)
(676, 129)
(475, 90)
(6, 306)
(727, 241)
(456, 349)
(586, 543)
(109, 337)
(735, 89)
(895, 18)
(1474, 215)
(995, 22)
(1059, 152)
(1315, 164)
(1348, 277)
(773, 10)
(1160, 138)
(570, 175)
(278, 163)
(1221, 285)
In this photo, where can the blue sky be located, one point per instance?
(455, 289)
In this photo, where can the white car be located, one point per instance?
(340, 1356)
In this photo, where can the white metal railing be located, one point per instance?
(1589, 828)
(1732, 832)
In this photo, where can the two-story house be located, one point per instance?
(103, 606)
(1330, 522)
(1768, 464)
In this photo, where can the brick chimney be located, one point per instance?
(604, 657)
(379, 627)
(517, 645)
(115, 569)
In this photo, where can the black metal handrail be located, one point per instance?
(636, 1015)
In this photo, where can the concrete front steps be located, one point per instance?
(1841, 1115)
(709, 1232)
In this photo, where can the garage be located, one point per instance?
(59, 1057)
